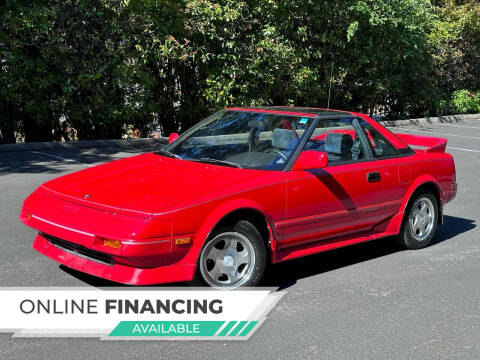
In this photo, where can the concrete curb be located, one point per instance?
(430, 120)
(128, 143)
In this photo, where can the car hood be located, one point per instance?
(149, 183)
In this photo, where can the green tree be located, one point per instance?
(456, 46)
(91, 69)
(70, 63)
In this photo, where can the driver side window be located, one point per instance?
(339, 139)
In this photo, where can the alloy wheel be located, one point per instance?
(228, 260)
(421, 219)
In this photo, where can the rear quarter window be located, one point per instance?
(380, 145)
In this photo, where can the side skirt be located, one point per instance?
(325, 245)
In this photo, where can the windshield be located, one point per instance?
(244, 139)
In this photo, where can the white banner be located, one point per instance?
(124, 313)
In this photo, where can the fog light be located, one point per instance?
(112, 243)
(183, 241)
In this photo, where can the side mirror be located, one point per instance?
(310, 159)
(173, 137)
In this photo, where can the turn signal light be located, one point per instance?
(29, 216)
(183, 241)
(112, 243)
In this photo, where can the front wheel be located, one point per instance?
(233, 257)
(420, 224)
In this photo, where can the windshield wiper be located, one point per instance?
(166, 153)
(215, 161)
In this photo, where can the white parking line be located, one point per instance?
(434, 132)
(60, 158)
(470, 150)
(448, 147)
(462, 126)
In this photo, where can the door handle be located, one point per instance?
(373, 176)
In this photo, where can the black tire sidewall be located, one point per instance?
(251, 232)
(253, 235)
(407, 240)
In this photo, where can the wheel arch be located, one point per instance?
(229, 214)
(254, 216)
(420, 186)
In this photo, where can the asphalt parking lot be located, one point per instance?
(369, 301)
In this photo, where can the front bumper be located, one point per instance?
(77, 236)
(114, 271)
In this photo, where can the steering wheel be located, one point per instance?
(278, 152)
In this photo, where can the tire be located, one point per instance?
(232, 257)
(420, 222)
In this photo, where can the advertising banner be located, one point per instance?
(135, 314)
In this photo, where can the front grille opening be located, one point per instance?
(79, 250)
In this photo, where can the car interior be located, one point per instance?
(268, 143)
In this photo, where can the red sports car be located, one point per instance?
(243, 188)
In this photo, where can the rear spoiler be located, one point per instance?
(424, 143)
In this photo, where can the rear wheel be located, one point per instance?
(233, 257)
(420, 223)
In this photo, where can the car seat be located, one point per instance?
(338, 146)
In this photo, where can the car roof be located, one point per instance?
(294, 110)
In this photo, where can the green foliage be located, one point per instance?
(91, 69)
(466, 102)
(70, 60)
(455, 41)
